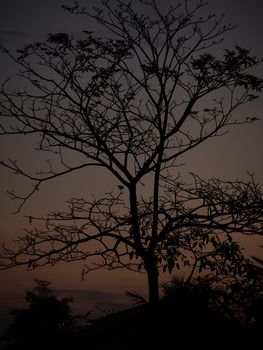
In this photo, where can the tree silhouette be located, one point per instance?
(39, 325)
(134, 102)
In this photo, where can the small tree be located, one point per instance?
(134, 103)
(39, 325)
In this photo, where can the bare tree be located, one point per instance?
(134, 103)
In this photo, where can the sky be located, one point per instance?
(231, 157)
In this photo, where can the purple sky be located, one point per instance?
(229, 157)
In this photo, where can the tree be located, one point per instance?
(42, 322)
(134, 103)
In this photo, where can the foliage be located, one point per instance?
(237, 299)
(40, 324)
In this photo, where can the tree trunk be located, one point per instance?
(153, 282)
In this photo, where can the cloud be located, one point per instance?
(94, 301)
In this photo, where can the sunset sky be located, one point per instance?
(228, 157)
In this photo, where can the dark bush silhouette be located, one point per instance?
(46, 323)
(191, 315)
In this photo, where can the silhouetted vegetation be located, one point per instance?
(194, 314)
(47, 322)
(133, 103)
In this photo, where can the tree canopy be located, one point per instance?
(42, 322)
(134, 102)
